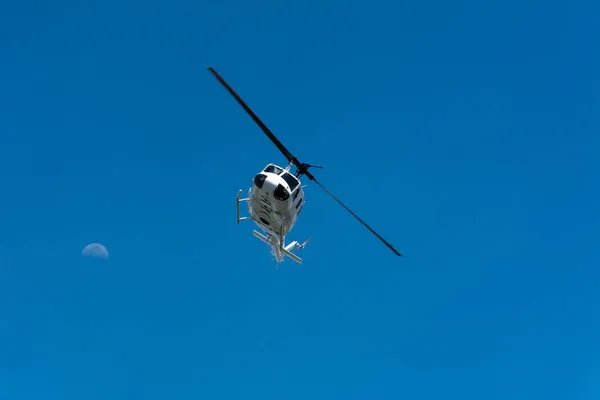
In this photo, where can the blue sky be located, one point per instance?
(465, 132)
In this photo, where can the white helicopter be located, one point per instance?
(276, 198)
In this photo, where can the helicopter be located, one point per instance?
(276, 197)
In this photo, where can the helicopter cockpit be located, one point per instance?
(274, 169)
(289, 178)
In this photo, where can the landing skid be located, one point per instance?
(277, 242)
(238, 200)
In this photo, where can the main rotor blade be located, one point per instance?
(357, 217)
(266, 130)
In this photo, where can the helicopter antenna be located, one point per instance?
(301, 168)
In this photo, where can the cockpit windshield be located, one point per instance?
(291, 180)
(273, 169)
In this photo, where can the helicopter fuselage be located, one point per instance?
(275, 200)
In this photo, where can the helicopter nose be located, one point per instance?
(271, 183)
(275, 186)
(266, 182)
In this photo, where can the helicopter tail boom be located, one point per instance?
(278, 247)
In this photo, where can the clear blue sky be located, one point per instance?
(465, 132)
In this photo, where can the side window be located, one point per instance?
(299, 203)
(291, 180)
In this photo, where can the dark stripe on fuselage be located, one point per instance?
(265, 204)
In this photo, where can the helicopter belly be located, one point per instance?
(269, 213)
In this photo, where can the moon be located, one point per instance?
(95, 250)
